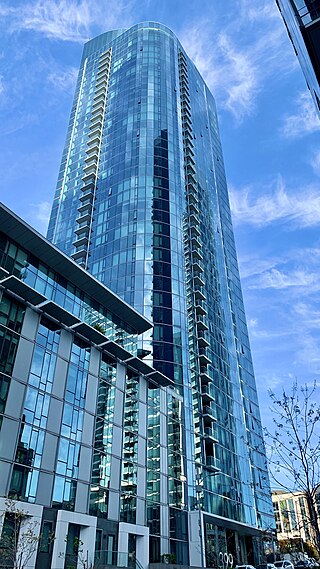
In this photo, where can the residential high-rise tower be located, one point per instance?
(302, 19)
(142, 204)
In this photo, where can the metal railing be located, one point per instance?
(106, 558)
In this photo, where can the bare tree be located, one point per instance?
(294, 446)
(20, 538)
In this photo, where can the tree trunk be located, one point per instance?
(313, 518)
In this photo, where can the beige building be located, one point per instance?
(291, 514)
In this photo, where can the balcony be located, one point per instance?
(85, 208)
(80, 255)
(203, 357)
(198, 278)
(102, 73)
(98, 105)
(87, 194)
(212, 464)
(199, 293)
(202, 339)
(189, 152)
(91, 161)
(185, 106)
(200, 306)
(85, 218)
(208, 414)
(210, 434)
(99, 97)
(193, 216)
(207, 393)
(102, 80)
(89, 177)
(204, 376)
(92, 153)
(82, 241)
(191, 178)
(104, 58)
(193, 208)
(195, 243)
(201, 322)
(197, 265)
(95, 131)
(194, 230)
(83, 229)
(96, 121)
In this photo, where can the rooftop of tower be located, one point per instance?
(111, 35)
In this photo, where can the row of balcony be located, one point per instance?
(193, 250)
(90, 170)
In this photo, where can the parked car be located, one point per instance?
(245, 567)
(304, 564)
(266, 566)
(284, 564)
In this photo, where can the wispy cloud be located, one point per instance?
(17, 122)
(254, 265)
(67, 20)
(64, 79)
(280, 280)
(300, 208)
(237, 71)
(303, 121)
(255, 331)
(39, 214)
(309, 352)
(308, 315)
(315, 162)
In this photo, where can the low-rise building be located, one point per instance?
(74, 426)
(292, 516)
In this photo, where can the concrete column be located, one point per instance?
(59, 544)
(30, 523)
(87, 525)
(88, 537)
(196, 539)
(142, 543)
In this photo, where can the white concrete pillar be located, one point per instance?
(142, 543)
(87, 525)
(88, 537)
(196, 539)
(60, 543)
(123, 539)
(31, 523)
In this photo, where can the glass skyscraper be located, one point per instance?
(302, 19)
(142, 204)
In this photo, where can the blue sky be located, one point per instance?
(270, 136)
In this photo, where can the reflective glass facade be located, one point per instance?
(142, 203)
(73, 411)
(302, 19)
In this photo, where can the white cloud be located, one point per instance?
(255, 331)
(309, 352)
(39, 215)
(64, 79)
(280, 280)
(68, 20)
(261, 13)
(253, 265)
(228, 69)
(302, 208)
(315, 162)
(308, 315)
(303, 121)
(237, 70)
